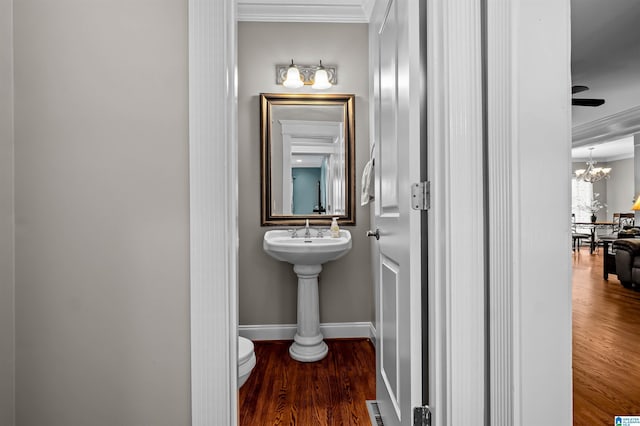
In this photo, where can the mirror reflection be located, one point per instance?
(307, 158)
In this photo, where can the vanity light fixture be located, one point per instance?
(293, 76)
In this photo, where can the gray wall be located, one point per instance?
(6, 217)
(636, 174)
(620, 192)
(616, 192)
(101, 205)
(267, 287)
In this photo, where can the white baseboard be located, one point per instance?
(330, 330)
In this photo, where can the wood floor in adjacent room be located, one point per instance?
(606, 344)
(333, 391)
(606, 365)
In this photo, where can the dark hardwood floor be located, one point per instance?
(606, 344)
(333, 391)
(606, 365)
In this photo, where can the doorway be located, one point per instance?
(213, 269)
(267, 289)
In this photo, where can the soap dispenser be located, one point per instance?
(335, 229)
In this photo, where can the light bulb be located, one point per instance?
(293, 80)
(321, 78)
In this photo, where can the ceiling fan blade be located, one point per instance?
(587, 102)
(578, 89)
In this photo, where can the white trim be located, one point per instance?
(456, 291)
(213, 212)
(502, 174)
(608, 128)
(343, 11)
(339, 330)
(530, 327)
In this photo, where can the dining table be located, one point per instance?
(592, 227)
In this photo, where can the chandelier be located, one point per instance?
(591, 173)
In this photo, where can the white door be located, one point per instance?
(399, 118)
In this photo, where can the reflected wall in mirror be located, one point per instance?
(307, 158)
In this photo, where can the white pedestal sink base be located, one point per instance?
(307, 256)
(308, 353)
(308, 345)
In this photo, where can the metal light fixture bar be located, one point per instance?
(307, 72)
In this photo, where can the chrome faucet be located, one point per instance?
(307, 231)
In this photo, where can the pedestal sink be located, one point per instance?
(307, 254)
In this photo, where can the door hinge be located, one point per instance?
(421, 195)
(422, 416)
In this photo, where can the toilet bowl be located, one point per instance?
(246, 359)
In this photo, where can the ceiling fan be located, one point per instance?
(584, 101)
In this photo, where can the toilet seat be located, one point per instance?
(246, 359)
(245, 349)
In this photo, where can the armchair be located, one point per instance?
(628, 262)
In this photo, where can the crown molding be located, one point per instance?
(607, 128)
(342, 11)
(618, 158)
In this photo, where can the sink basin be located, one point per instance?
(305, 251)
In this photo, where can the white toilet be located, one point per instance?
(246, 359)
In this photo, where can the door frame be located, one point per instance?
(455, 169)
(528, 137)
(533, 30)
(213, 183)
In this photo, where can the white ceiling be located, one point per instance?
(605, 55)
(608, 151)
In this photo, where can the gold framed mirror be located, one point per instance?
(307, 155)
